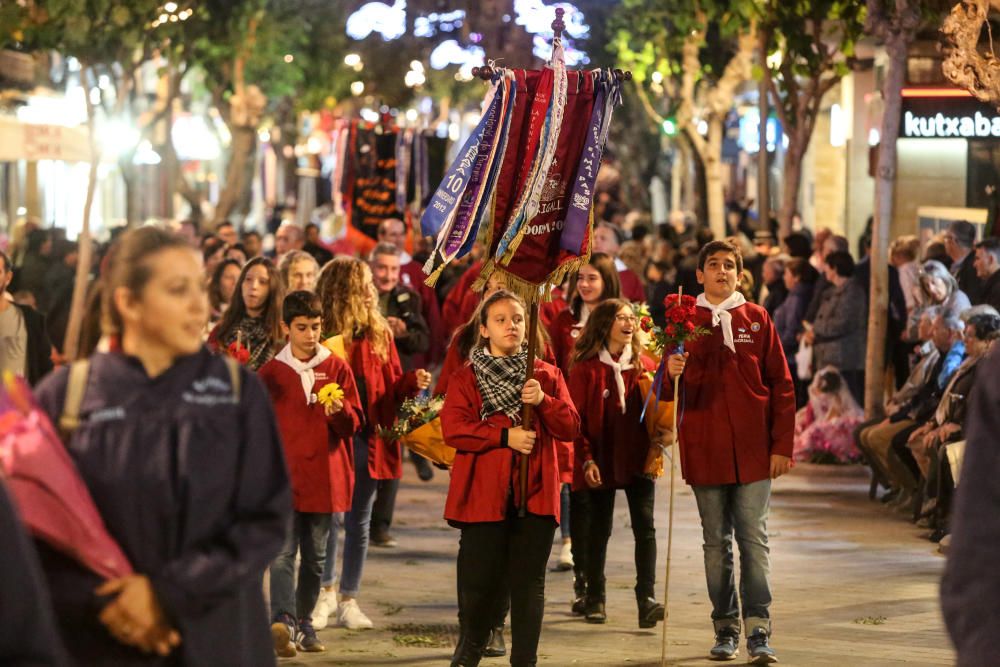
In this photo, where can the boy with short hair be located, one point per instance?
(739, 419)
(317, 441)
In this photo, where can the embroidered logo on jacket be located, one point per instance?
(209, 391)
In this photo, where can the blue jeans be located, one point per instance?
(741, 508)
(357, 524)
(308, 533)
(336, 525)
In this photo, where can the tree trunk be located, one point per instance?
(129, 177)
(678, 174)
(237, 171)
(791, 182)
(715, 193)
(71, 344)
(885, 178)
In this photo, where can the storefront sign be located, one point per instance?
(948, 118)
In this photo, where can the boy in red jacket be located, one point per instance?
(739, 418)
(317, 440)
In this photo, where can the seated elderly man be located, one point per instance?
(927, 442)
(877, 441)
(926, 368)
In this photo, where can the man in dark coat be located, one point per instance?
(25, 348)
(401, 306)
(970, 590)
(27, 631)
(988, 270)
(958, 243)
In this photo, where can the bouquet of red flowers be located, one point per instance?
(680, 326)
(237, 351)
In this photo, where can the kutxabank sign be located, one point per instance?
(948, 118)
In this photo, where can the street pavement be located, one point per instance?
(853, 585)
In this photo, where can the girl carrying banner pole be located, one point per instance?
(499, 548)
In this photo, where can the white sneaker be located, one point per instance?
(566, 557)
(350, 616)
(326, 606)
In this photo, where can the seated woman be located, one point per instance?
(824, 428)
(928, 442)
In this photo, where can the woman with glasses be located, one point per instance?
(610, 452)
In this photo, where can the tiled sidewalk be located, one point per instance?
(853, 585)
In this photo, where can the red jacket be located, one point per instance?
(317, 448)
(632, 287)
(616, 442)
(561, 331)
(738, 409)
(386, 387)
(461, 301)
(484, 471)
(550, 309)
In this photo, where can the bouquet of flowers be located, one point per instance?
(419, 428)
(680, 326)
(237, 351)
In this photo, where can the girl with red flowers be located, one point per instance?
(611, 451)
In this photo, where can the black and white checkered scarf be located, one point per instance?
(500, 380)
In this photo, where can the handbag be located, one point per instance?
(803, 361)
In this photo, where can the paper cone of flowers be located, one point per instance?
(428, 441)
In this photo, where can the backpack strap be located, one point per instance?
(233, 367)
(76, 386)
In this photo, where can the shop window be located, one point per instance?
(983, 180)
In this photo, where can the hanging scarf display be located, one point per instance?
(575, 237)
(404, 154)
(456, 209)
(373, 184)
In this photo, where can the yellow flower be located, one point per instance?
(330, 393)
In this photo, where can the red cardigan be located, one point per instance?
(738, 409)
(616, 442)
(484, 471)
(386, 387)
(317, 448)
(561, 331)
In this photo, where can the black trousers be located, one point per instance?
(579, 531)
(502, 556)
(640, 495)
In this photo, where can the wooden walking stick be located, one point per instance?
(670, 515)
(522, 508)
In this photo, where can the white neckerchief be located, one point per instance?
(304, 368)
(620, 265)
(721, 314)
(624, 363)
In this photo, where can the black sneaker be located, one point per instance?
(307, 640)
(727, 644)
(283, 636)
(651, 612)
(579, 605)
(495, 647)
(759, 652)
(595, 611)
